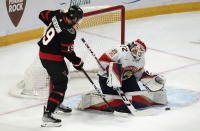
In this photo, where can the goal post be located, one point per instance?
(102, 28)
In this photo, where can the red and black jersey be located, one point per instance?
(58, 40)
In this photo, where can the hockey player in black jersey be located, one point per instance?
(57, 43)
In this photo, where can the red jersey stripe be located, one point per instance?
(42, 14)
(47, 15)
(51, 57)
(66, 45)
(66, 51)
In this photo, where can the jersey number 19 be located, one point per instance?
(50, 33)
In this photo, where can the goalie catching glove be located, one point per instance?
(152, 82)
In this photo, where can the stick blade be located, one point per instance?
(121, 114)
(145, 112)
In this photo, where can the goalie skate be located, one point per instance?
(49, 120)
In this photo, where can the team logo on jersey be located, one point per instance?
(113, 52)
(15, 9)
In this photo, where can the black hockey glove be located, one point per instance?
(79, 66)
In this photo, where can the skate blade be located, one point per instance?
(50, 124)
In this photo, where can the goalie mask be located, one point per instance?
(137, 48)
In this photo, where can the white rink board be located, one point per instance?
(30, 21)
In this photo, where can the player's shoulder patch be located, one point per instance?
(113, 52)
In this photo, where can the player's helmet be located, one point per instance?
(75, 12)
(137, 48)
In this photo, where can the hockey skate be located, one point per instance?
(49, 120)
(61, 109)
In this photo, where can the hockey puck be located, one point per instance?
(167, 108)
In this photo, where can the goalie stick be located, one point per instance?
(129, 105)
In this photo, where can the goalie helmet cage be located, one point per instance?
(103, 29)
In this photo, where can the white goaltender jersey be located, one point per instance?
(122, 55)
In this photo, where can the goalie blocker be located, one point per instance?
(152, 93)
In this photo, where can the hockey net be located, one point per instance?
(102, 29)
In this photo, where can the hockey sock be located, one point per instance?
(54, 100)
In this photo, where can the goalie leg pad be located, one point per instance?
(140, 99)
(149, 97)
(93, 99)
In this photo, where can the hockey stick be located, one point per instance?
(129, 105)
(101, 95)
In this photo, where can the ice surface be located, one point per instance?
(173, 49)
